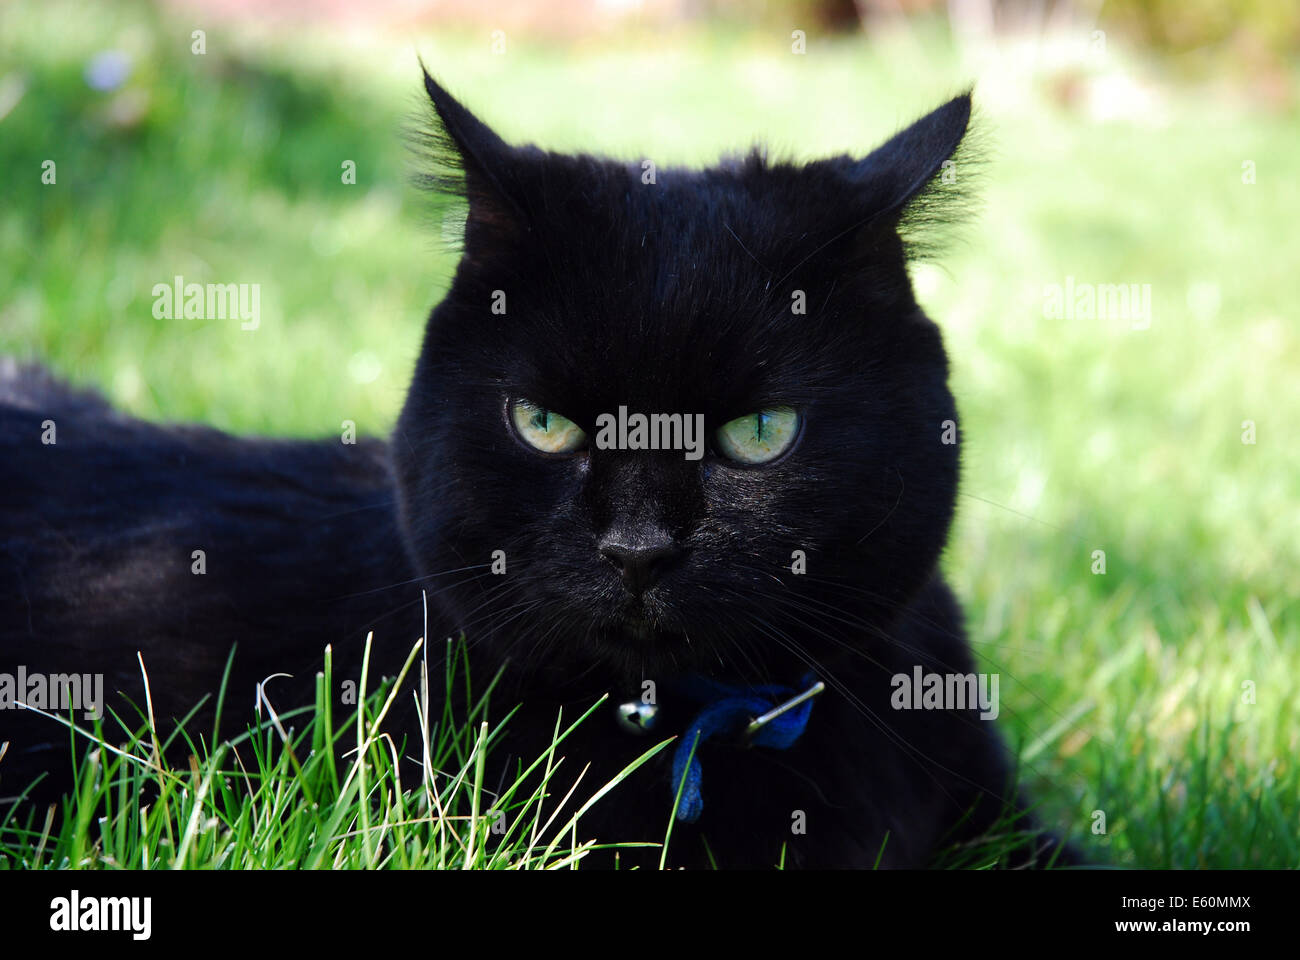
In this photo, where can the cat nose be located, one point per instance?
(641, 562)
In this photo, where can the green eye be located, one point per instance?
(759, 437)
(545, 430)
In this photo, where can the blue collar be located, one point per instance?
(771, 716)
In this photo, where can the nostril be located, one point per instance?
(641, 564)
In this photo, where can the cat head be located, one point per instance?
(768, 302)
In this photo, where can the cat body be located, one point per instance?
(801, 546)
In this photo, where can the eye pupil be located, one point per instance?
(759, 437)
(547, 432)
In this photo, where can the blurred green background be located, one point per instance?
(1130, 143)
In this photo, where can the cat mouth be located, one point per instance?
(645, 628)
(639, 628)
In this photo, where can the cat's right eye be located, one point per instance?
(545, 430)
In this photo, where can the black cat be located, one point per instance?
(701, 577)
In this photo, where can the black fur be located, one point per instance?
(672, 296)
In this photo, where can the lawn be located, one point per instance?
(1161, 693)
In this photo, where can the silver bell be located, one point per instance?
(637, 717)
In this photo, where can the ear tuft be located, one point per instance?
(461, 157)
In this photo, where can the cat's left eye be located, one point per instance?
(545, 430)
(759, 437)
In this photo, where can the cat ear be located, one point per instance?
(902, 167)
(463, 156)
(920, 177)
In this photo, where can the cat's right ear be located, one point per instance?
(463, 156)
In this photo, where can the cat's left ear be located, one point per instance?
(905, 164)
(920, 176)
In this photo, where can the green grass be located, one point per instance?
(1123, 690)
(277, 797)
